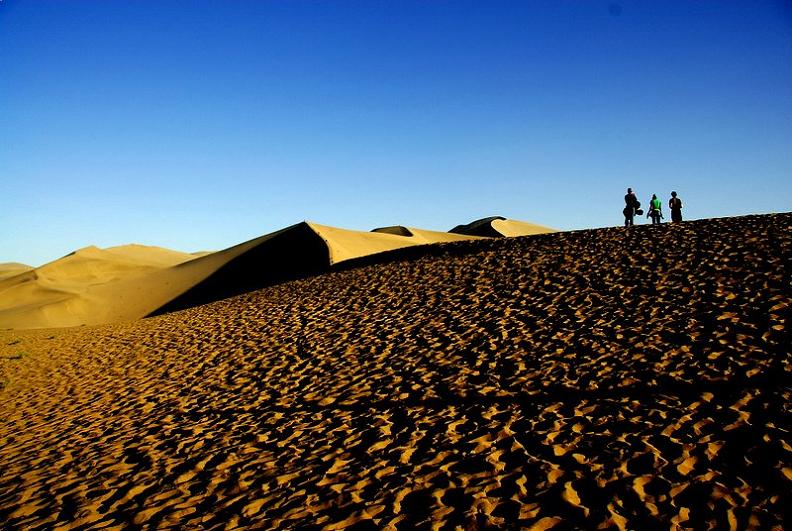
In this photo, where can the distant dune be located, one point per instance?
(606, 379)
(99, 286)
(497, 226)
(76, 289)
(10, 269)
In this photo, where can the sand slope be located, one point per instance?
(70, 290)
(98, 286)
(563, 380)
(10, 269)
(513, 227)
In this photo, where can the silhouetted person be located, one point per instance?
(655, 210)
(675, 205)
(631, 207)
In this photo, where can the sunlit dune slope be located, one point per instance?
(615, 378)
(497, 226)
(73, 290)
(513, 227)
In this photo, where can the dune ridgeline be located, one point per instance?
(605, 379)
(100, 286)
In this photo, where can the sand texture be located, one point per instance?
(614, 378)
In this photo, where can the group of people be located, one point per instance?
(633, 208)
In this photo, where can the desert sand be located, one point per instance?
(612, 378)
(101, 286)
(10, 269)
(61, 292)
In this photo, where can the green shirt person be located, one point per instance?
(655, 209)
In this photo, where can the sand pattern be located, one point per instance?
(569, 380)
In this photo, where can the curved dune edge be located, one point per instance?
(562, 380)
(399, 230)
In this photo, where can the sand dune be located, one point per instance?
(10, 269)
(347, 244)
(298, 251)
(555, 381)
(99, 286)
(513, 227)
(497, 226)
(73, 289)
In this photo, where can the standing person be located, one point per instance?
(655, 210)
(630, 208)
(675, 205)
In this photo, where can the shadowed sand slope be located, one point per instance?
(497, 226)
(563, 380)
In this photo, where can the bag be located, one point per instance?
(639, 211)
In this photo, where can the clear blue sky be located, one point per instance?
(198, 125)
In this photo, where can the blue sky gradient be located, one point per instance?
(198, 125)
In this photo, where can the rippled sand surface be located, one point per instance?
(613, 378)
